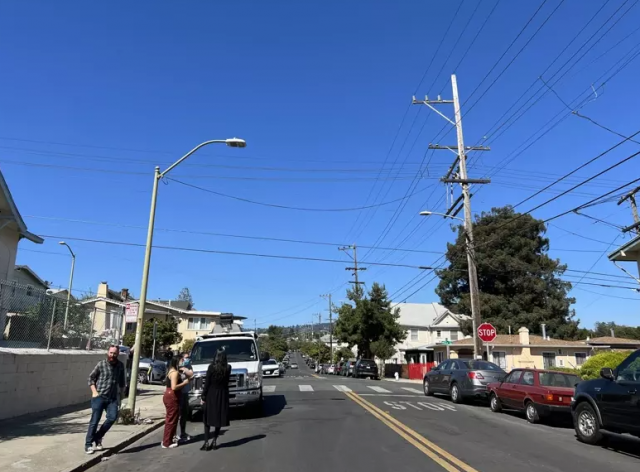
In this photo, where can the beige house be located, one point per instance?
(522, 350)
(12, 230)
(426, 324)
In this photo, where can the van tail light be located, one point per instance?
(475, 375)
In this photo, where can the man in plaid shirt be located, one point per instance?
(107, 381)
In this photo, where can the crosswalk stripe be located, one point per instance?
(269, 388)
(342, 388)
(412, 390)
(305, 388)
(379, 389)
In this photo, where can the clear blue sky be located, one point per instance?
(94, 94)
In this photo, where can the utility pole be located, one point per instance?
(462, 178)
(631, 196)
(328, 296)
(355, 267)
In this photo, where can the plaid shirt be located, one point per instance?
(107, 378)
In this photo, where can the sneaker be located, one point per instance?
(98, 446)
(171, 446)
(89, 450)
(185, 438)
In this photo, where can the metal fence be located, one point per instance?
(34, 318)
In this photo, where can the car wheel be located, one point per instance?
(427, 388)
(495, 403)
(531, 413)
(455, 394)
(586, 424)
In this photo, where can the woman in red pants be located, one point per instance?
(171, 400)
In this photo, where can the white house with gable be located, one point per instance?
(426, 324)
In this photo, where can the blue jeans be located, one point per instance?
(98, 405)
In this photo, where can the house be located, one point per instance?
(426, 324)
(522, 350)
(12, 230)
(28, 289)
(613, 343)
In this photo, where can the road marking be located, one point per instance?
(268, 388)
(316, 376)
(412, 390)
(436, 453)
(431, 406)
(378, 389)
(305, 388)
(342, 388)
(401, 395)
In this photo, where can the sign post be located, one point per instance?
(155, 335)
(487, 333)
(447, 343)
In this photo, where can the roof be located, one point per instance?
(610, 340)
(179, 304)
(514, 340)
(419, 314)
(29, 270)
(22, 227)
(630, 251)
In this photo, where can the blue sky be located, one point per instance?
(93, 95)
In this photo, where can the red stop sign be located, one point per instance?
(487, 332)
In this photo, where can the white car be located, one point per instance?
(270, 368)
(331, 369)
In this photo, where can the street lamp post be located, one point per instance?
(73, 266)
(473, 278)
(133, 383)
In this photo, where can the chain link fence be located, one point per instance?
(34, 318)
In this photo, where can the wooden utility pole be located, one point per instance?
(631, 196)
(463, 179)
(328, 296)
(355, 267)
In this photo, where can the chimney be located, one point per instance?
(103, 290)
(613, 333)
(124, 294)
(544, 330)
(523, 333)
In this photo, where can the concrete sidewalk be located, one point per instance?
(53, 441)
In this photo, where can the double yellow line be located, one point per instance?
(436, 453)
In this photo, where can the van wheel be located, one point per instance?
(586, 424)
(532, 413)
(496, 404)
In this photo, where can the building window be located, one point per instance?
(198, 324)
(581, 358)
(29, 290)
(500, 359)
(414, 334)
(129, 327)
(454, 335)
(439, 357)
(549, 359)
(438, 334)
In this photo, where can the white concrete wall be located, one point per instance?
(34, 380)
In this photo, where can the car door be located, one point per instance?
(505, 389)
(445, 376)
(520, 390)
(436, 378)
(619, 399)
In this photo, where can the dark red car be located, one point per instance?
(539, 393)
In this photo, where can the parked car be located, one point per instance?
(347, 368)
(610, 403)
(338, 369)
(462, 378)
(294, 366)
(539, 393)
(331, 369)
(270, 368)
(281, 367)
(365, 368)
(150, 370)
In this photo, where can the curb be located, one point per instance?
(96, 459)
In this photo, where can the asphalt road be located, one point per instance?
(325, 423)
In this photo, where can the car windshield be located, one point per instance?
(270, 362)
(482, 365)
(367, 362)
(558, 379)
(238, 350)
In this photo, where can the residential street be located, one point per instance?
(320, 423)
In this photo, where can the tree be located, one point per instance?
(519, 283)
(367, 319)
(167, 335)
(383, 349)
(185, 296)
(604, 328)
(187, 345)
(274, 342)
(342, 353)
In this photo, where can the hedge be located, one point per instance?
(591, 368)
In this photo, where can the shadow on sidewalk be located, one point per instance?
(46, 423)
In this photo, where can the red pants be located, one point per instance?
(171, 401)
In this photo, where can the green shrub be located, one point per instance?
(591, 368)
(187, 345)
(567, 370)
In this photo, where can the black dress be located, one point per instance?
(216, 399)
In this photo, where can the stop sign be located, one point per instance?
(487, 332)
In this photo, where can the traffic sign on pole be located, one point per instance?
(487, 332)
(131, 313)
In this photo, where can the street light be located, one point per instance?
(473, 278)
(231, 142)
(73, 266)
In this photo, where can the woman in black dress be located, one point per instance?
(215, 398)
